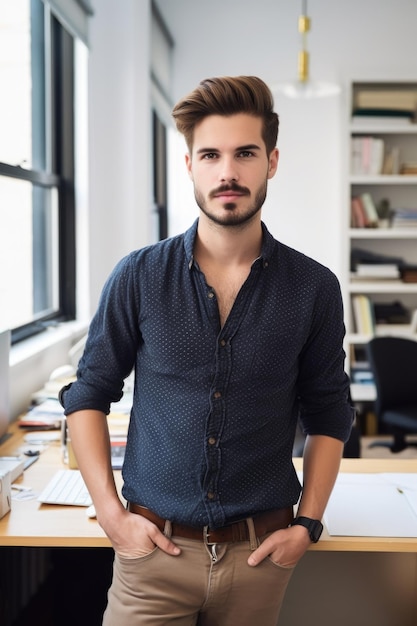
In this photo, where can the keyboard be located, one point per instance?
(67, 487)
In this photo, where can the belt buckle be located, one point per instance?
(206, 536)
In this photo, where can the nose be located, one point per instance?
(228, 171)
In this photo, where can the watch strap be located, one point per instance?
(314, 526)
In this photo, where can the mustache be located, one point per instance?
(231, 187)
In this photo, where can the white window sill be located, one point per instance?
(54, 335)
(33, 360)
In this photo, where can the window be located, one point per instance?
(37, 206)
(162, 46)
(160, 174)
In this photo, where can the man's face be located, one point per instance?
(230, 168)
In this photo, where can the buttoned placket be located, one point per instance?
(218, 392)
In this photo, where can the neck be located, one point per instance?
(228, 245)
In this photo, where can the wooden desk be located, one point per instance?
(361, 581)
(31, 523)
(341, 580)
(368, 544)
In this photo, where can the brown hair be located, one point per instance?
(228, 96)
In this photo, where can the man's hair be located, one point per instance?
(227, 96)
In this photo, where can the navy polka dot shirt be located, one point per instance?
(215, 409)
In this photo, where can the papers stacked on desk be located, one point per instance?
(46, 415)
(373, 505)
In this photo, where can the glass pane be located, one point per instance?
(28, 252)
(22, 83)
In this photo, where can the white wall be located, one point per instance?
(120, 164)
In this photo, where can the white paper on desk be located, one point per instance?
(368, 505)
(406, 483)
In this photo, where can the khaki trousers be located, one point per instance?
(207, 585)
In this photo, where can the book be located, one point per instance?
(117, 451)
(405, 329)
(404, 218)
(358, 255)
(391, 99)
(363, 314)
(409, 274)
(368, 315)
(381, 117)
(358, 217)
(377, 270)
(362, 376)
(370, 209)
(367, 155)
(391, 164)
(356, 155)
(377, 156)
(357, 314)
(409, 169)
(47, 415)
(391, 313)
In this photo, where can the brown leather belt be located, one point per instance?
(237, 531)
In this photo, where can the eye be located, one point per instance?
(209, 155)
(245, 154)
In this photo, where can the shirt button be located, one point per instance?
(210, 295)
(212, 441)
(217, 395)
(222, 342)
(210, 495)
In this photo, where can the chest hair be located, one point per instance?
(226, 283)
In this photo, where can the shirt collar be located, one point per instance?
(189, 238)
(268, 244)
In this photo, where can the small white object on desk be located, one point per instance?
(91, 512)
(40, 437)
(363, 393)
(14, 465)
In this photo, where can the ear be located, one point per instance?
(188, 164)
(273, 162)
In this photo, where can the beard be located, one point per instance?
(232, 216)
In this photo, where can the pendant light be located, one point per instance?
(304, 87)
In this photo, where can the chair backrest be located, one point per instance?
(393, 361)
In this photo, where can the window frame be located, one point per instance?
(59, 172)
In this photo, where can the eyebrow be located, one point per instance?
(250, 146)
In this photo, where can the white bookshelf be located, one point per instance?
(401, 191)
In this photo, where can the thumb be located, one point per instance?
(166, 545)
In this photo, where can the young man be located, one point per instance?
(233, 336)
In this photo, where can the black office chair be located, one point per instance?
(393, 361)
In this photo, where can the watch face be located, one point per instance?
(315, 530)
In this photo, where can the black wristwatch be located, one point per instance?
(314, 527)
